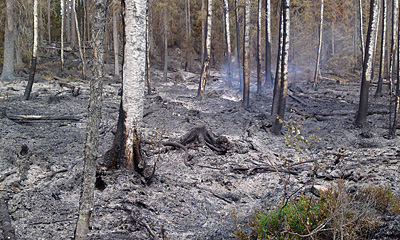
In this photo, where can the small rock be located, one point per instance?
(318, 189)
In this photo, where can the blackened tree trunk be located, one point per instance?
(94, 120)
(115, 13)
(246, 53)
(393, 51)
(188, 37)
(268, 73)
(125, 151)
(32, 71)
(8, 62)
(259, 59)
(372, 34)
(277, 124)
(228, 42)
(277, 82)
(206, 63)
(321, 24)
(383, 50)
(203, 31)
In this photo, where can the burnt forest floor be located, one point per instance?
(189, 197)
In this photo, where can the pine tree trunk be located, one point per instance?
(393, 51)
(246, 54)
(240, 67)
(277, 82)
(116, 44)
(268, 73)
(165, 46)
(32, 72)
(259, 59)
(73, 29)
(203, 31)
(228, 42)
(8, 62)
(93, 125)
(319, 46)
(383, 50)
(277, 125)
(372, 34)
(125, 151)
(206, 63)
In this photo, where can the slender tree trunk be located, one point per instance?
(383, 50)
(148, 80)
(268, 73)
(68, 20)
(277, 124)
(238, 44)
(62, 35)
(372, 35)
(165, 46)
(116, 44)
(188, 39)
(319, 46)
(88, 20)
(125, 151)
(277, 82)
(228, 42)
(73, 26)
(79, 41)
(206, 63)
(246, 53)
(28, 88)
(259, 59)
(203, 31)
(393, 51)
(360, 7)
(49, 20)
(333, 36)
(8, 62)
(94, 120)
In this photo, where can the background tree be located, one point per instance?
(115, 14)
(207, 55)
(281, 95)
(125, 151)
(94, 120)
(383, 50)
(246, 54)
(268, 73)
(321, 27)
(32, 71)
(228, 41)
(8, 63)
(259, 42)
(372, 34)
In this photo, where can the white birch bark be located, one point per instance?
(228, 41)
(206, 63)
(246, 55)
(321, 28)
(62, 34)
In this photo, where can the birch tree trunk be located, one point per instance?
(93, 125)
(268, 74)
(319, 46)
(116, 43)
(8, 62)
(383, 50)
(62, 34)
(228, 42)
(282, 94)
(372, 35)
(32, 71)
(188, 37)
(79, 41)
(206, 63)
(259, 59)
(125, 151)
(246, 53)
(360, 8)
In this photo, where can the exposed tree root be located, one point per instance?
(203, 136)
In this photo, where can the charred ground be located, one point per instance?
(193, 193)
